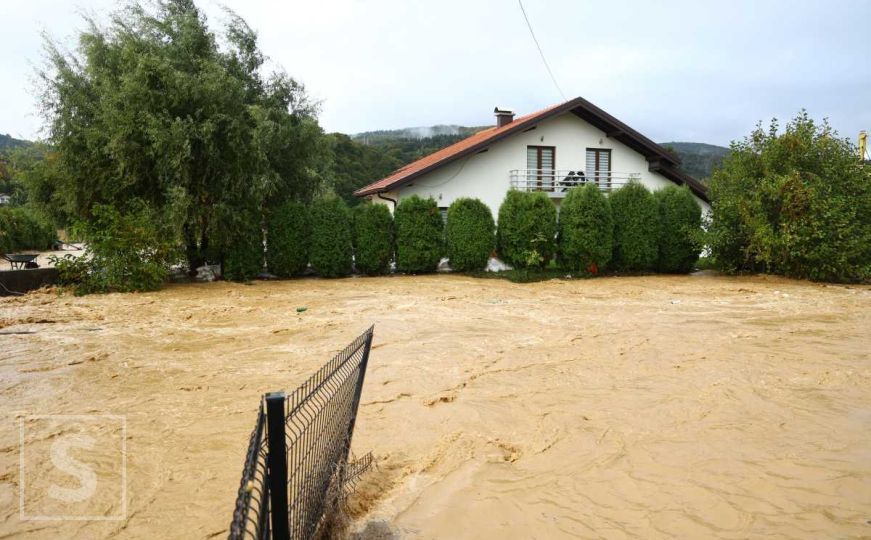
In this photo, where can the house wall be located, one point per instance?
(485, 175)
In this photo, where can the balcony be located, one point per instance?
(556, 182)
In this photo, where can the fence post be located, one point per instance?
(277, 462)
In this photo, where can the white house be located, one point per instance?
(550, 151)
(5, 199)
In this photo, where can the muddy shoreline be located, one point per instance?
(660, 406)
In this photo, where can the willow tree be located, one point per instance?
(154, 108)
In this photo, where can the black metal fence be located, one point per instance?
(296, 469)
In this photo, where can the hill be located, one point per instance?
(422, 132)
(8, 142)
(698, 159)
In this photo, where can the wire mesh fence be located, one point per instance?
(296, 469)
(251, 515)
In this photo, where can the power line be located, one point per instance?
(543, 59)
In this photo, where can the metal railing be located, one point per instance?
(296, 469)
(557, 182)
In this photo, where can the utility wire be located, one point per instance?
(543, 59)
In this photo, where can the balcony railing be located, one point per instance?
(557, 182)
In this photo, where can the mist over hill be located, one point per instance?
(420, 132)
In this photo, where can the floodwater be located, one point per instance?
(691, 406)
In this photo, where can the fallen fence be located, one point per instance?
(296, 470)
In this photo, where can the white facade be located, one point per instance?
(486, 175)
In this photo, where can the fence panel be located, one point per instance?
(312, 432)
(251, 515)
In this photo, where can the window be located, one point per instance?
(599, 165)
(540, 164)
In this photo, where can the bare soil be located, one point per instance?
(693, 406)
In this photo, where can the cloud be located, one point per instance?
(674, 70)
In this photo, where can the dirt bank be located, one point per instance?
(691, 406)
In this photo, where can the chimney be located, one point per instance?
(503, 117)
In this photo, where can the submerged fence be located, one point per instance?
(296, 468)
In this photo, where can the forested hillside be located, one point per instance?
(698, 159)
(7, 142)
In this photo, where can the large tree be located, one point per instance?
(156, 109)
(796, 202)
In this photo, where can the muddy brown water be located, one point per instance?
(696, 406)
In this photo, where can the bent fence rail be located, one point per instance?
(296, 468)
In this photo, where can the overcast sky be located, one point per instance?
(686, 71)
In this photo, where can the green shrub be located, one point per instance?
(527, 229)
(22, 229)
(469, 235)
(796, 203)
(586, 230)
(419, 235)
(243, 252)
(330, 250)
(288, 232)
(680, 221)
(636, 228)
(373, 238)
(126, 251)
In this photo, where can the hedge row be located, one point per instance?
(469, 235)
(373, 239)
(526, 237)
(419, 235)
(633, 230)
(21, 229)
(586, 230)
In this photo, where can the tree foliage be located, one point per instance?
(130, 251)
(373, 238)
(152, 110)
(636, 228)
(680, 220)
(35, 173)
(330, 246)
(586, 230)
(419, 235)
(241, 251)
(288, 233)
(469, 234)
(21, 228)
(796, 203)
(526, 235)
(355, 165)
